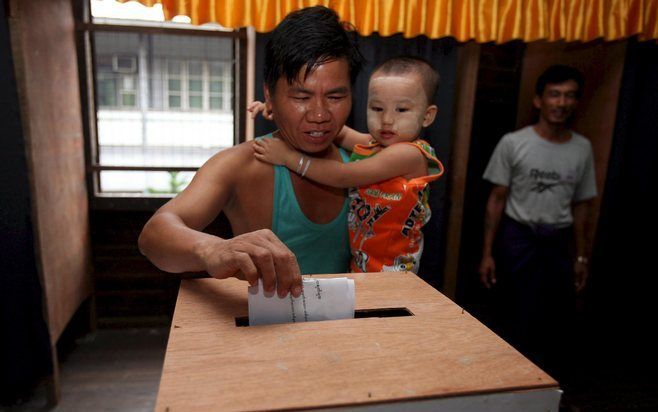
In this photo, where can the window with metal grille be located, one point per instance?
(163, 97)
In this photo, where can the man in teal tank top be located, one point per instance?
(284, 225)
(319, 247)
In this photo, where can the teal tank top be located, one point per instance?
(318, 248)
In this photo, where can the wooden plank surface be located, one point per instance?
(211, 364)
(468, 62)
(47, 74)
(44, 51)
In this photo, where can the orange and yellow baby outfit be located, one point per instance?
(385, 218)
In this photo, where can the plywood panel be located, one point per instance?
(468, 59)
(211, 364)
(46, 68)
(602, 63)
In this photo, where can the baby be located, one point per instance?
(389, 204)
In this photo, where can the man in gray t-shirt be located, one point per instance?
(543, 183)
(544, 178)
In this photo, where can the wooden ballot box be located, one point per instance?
(408, 347)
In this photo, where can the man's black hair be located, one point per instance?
(559, 74)
(307, 38)
(413, 64)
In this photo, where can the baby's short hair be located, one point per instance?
(412, 64)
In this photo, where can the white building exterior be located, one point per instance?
(162, 100)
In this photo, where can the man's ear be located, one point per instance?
(430, 114)
(268, 97)
(536, 101)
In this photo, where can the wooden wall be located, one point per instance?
(493, 114)
(25, 354)
(45, 56)
(467, 75)
(129, 290)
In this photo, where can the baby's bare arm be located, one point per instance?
(395, 160)
(348, 138)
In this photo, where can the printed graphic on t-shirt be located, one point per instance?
(402, 263)
(363, 216)
(360, 259)
(547, 180)
(418, 216)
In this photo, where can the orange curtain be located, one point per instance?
(479, 20)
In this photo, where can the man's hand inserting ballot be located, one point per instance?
(251, 256)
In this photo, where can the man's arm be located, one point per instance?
(580, 212)
(173, 241)
(395, 160)
(494, 211)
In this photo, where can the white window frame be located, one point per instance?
(225, 80)
(120, 75)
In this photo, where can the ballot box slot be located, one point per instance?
(358, 314)
(382, 313)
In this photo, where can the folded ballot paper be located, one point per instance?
(321, 299)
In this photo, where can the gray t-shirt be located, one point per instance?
(544, 178)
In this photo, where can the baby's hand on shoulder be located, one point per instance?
(274, 151)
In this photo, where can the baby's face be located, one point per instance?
(397, 108)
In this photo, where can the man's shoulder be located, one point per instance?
(247, 181)
(580, 140)
(238, 162)
(229, 157)
(523, 133)
(515, 139)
